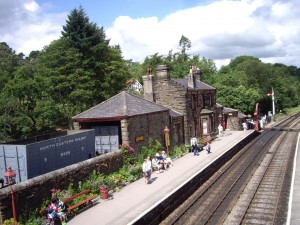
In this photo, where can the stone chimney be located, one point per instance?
(148, 85)
(194, 75)
(163, 72)
(197, 73)
(191, 78)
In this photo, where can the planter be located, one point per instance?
(103, 192)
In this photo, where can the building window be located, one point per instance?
(207, 100)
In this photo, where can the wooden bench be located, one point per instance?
(89, 200)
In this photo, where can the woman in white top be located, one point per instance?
(147, 169)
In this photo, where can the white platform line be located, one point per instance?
(288, 222)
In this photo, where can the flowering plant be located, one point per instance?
(128, 151)
(55, 192)
(126, 147)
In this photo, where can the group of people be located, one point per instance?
(196, 149)
(56, 211)
(159, 163)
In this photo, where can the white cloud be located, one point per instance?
(221, 31)
(25, 27)
(31, 6)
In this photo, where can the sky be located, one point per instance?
(219, 30)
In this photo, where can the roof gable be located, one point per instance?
(121, 105)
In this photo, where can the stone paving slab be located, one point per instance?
(138, 197)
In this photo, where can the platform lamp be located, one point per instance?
(167, 138)
(10, 177)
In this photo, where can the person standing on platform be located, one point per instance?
(220, 129)
(208, 147)
(195, 148)
(244, 125)
(147, 170)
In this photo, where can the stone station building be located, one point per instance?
(191, 97)
(128, 119)
(187, 106)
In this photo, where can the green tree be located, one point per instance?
(136, 70)
(260, 78)
(96, 56)
(185, 44)
(233, 91)
(152, 61)
(24, 91)
(66, 82)
(9, 61)
(83, 34)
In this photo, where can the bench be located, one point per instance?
(89, 200)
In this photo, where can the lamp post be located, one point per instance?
(10, 177)
(167, 138)
(256, 117)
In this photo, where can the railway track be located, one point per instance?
(251, 188)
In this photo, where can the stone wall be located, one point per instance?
(141, 128)
(177, 131)
(172, 96)
(30, 194)
(233, 123)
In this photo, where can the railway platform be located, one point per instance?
(137, 198)
(294, 200)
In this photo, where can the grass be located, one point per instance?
(293, 110)
(288, 112)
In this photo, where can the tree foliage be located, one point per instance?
(43, 91)
(259, 78)
(179, 63)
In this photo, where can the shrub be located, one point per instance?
(128, 155)
(153, 147)
(179, 151)
(11, 221)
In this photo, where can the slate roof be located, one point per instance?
(229, 110)
(121, 105)
(206, 111)
(199, 84)
(241, 115)
(219, 105)
(174, 113)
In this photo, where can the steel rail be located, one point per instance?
(178, 213)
